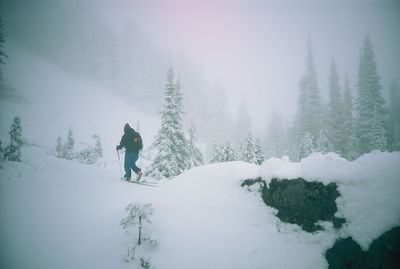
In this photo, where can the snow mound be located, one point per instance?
(369, 188)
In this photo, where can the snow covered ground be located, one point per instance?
(62, 214)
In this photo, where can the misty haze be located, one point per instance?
(257, 134)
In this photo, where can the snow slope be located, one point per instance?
(61, 214)
(50, 100)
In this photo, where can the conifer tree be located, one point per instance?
(228, 153)
(1, 152)
(224, 153)
(370, 111)
(170, 142)
(349, 141)
(69, 145)
(3, 56)
(394, 120)
(216, 154)
(335, 111)
(13, 152)
(248, 150)
(98, 150)
(307, 146)
(195, 155)
(259, 154)
(59, 148)
(308, 118)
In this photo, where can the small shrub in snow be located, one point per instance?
(145, 262)
(139, 215)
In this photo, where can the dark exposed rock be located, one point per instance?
(300, 202)
(384, 253)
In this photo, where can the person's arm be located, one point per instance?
(121, 143)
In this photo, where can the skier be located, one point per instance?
(132, 142)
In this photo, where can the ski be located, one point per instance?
(141, 183)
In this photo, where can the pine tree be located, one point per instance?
(216, 154)
(394, 118)
(370, 111)
(228, 153)
(248, 150)
(335, 111)
(259, 154)
(69, 145)
(13, 152)
(170, 142)
(3, 56)
(1, 152)
(59, 148)
(308, 118)
(307, 146)
(98, 150)
(349, 140)
(195, 155)
(224, 153)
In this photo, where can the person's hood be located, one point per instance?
(128, 129)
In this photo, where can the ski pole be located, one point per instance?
(119, 162)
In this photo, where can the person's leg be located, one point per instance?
(127, 165)
(135, 157)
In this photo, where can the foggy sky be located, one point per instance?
(255, 48)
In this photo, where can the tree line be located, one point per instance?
(346, 125)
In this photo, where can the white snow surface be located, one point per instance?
(57, 213)
(62, 214)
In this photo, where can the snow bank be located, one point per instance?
(62, 214)
(369, 188)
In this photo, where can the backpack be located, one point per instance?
(137, 141)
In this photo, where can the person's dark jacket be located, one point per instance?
(130, 140)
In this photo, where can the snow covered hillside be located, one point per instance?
(61, 214)
(50, 100)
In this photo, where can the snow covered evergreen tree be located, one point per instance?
(224, 153)
(98, 150)
(335, 119)
(259, 154)
(324, 143)
(349, 141)
(170, 143)
(394, 118)
(60, 148)
(308, 118)
(195, 155)
(370, 111)
(1, 152)
(69, 145)
(307, 146)
(13, 152)
(3, 56)
(248, 150)
(216, 154)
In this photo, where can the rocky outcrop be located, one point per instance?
(300, 202)
(384, 253)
